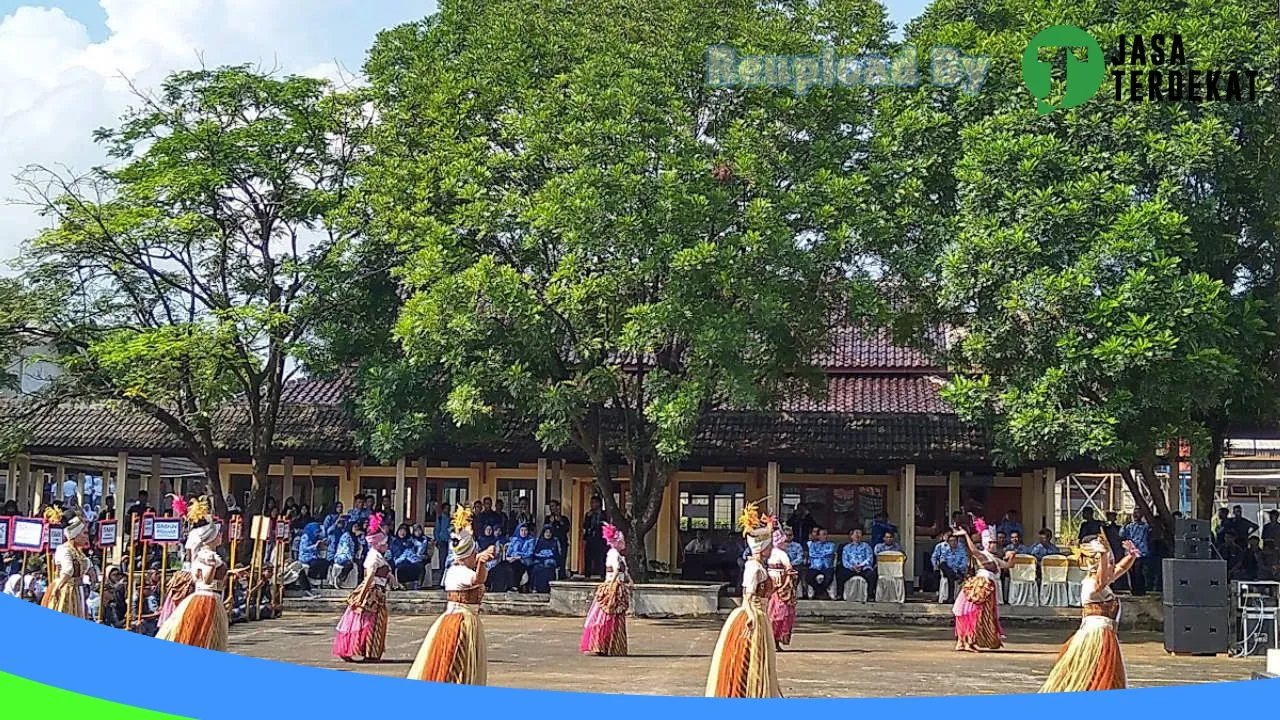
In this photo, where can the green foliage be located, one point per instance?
(188, 268)
(1109, 270)
(597, 243)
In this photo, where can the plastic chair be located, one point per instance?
(1022, 581)
(1054, 588)
(1075, 577)
(891, 586)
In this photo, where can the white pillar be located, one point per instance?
(420, 494)
(22, 484)
(537, 505)
(953, 493)
(122, 479)
(36, 487)
(80, 488)
(773, 489)
(397, 500)
(907, 520)
(59, 477)
(1053, 498)
(154, 489)
(11, 482)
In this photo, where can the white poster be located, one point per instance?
(28, 534)
(148, 528)
(106, 533)
(4, 534)
(55, 538)
(166, 530)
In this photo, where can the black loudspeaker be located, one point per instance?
(1196, 630)
(1196, 583)
(1192, 529)
(1185, 548)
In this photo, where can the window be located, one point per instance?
(710, 506)
(838, 508)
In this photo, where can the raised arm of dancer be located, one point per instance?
(968, 541)
(1125, 563)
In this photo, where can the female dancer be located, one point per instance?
(977, 620)
(454, 649)
(1091, 659)
(181, 584)
(605, 632)
(362, 631)
(65, 593)
(201, 619)
(782, 603)
(744, 663)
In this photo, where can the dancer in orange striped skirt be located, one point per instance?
(744, 664)
(1091, 659)
(201, 619)
(454, 650)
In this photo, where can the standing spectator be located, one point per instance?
(821, 564)
(1242, 526)
(359, 513)
(801, 523)
(1220, 525)
(1089, 526)
(1138, 532)
(70, 490)
(951, 560)
(138, 508)
(880, 526)
(593, 538)
(520, 515)
(1271, 531)
(856, 559)
(441, 534)
(1010, 524)
(1111, 530)
(1233, 554)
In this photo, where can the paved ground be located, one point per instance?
(670, 657)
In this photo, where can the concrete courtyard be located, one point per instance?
(670, 657)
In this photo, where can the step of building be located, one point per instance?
(1138, 614)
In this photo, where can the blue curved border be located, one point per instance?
(40, 644)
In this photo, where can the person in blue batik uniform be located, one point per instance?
(821, 573)
(1138, 532)
(856, 560)
(951, 560)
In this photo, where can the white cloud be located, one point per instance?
(58, 86)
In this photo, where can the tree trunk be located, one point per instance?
(648, 488)
(1207, 478)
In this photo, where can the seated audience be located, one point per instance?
(544, 563)
(519, 556)
(951, 560)
(856, 560)
(821, 572)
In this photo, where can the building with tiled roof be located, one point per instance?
(878, 438)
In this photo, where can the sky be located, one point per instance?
(64, 65)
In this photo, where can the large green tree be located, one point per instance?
(598, 244)
(1108, 271)
(187, 267)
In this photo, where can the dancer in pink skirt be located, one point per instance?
(605, 632)
(782, 604)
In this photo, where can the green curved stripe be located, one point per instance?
(22, 694)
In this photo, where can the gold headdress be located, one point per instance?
(198, 510)
(53, 515)
(461, 518)
(756, 527)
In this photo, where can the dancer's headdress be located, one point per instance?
(375, 535)
(756, 527)
(180, 507)
(203, 530)
(461, 541)
(613, 536)
(74, 528)
(53, 516)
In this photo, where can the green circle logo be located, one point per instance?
(1083, 77)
